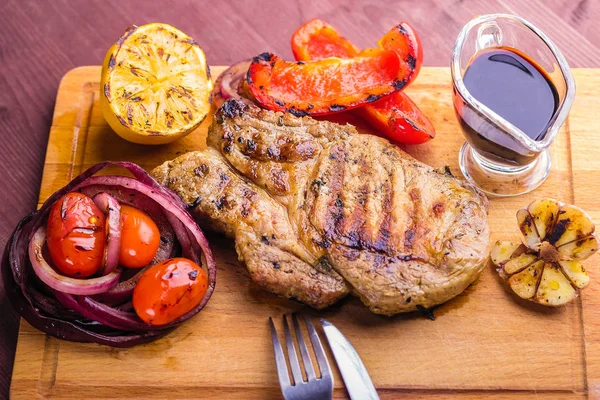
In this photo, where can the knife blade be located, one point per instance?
(355, 375)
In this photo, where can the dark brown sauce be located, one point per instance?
(514, 87)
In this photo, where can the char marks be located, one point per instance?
(355, 197)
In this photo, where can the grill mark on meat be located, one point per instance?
(230, 109)
(334, 215)
(367, 204)
(249, 193)
(353, 197)
(409, 238)
(413, 205)
(382, 242)
(399, 199)
(355, 235)
(245, 208)
(306, 150)
(221, 202)
(351, 254)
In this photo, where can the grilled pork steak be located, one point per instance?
(318, 211)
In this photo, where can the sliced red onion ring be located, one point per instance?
(63, 283)
(104, 314)
(111, 207)
(79, 317)
(183, 238)
(227, 85)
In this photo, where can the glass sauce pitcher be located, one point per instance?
(498, 157)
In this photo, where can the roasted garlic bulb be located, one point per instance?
(545, 268)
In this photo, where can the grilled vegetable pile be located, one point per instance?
(109, 259)
(331, 75)
(395, 116)
(546, 267)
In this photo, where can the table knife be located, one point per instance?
(355, 375)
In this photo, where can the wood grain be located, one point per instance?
(484, 343)
(41, 40)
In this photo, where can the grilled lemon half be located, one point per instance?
(155, 85)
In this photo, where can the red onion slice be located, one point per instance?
(104, 314)
(111, 207)
(63, 283)
(183, 238)
(228, 84)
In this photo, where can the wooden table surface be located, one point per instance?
(41, 40)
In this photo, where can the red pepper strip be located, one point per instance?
(404, 41)
(399, 119)
(317, 39)
(318, 87)
(396, 115)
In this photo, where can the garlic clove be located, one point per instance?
(575, 272)
(525, 282)
(544, 213)
(528, 229)
(579, 249)
(502, 251)
(572, 224)
(518, 263)
(554, 289)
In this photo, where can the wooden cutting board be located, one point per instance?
(484, 343)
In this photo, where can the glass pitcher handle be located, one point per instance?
(489, 34)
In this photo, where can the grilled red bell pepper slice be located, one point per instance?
(399, 119)
(404, 41)
(317, 39)
(396, 116)
(318, 87)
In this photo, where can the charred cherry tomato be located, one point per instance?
(140, 238)
(395, 116)
(76, 235)
(168, 290)
(323, 86)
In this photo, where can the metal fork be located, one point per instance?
(298, 388)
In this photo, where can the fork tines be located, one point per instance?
(298, 388)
